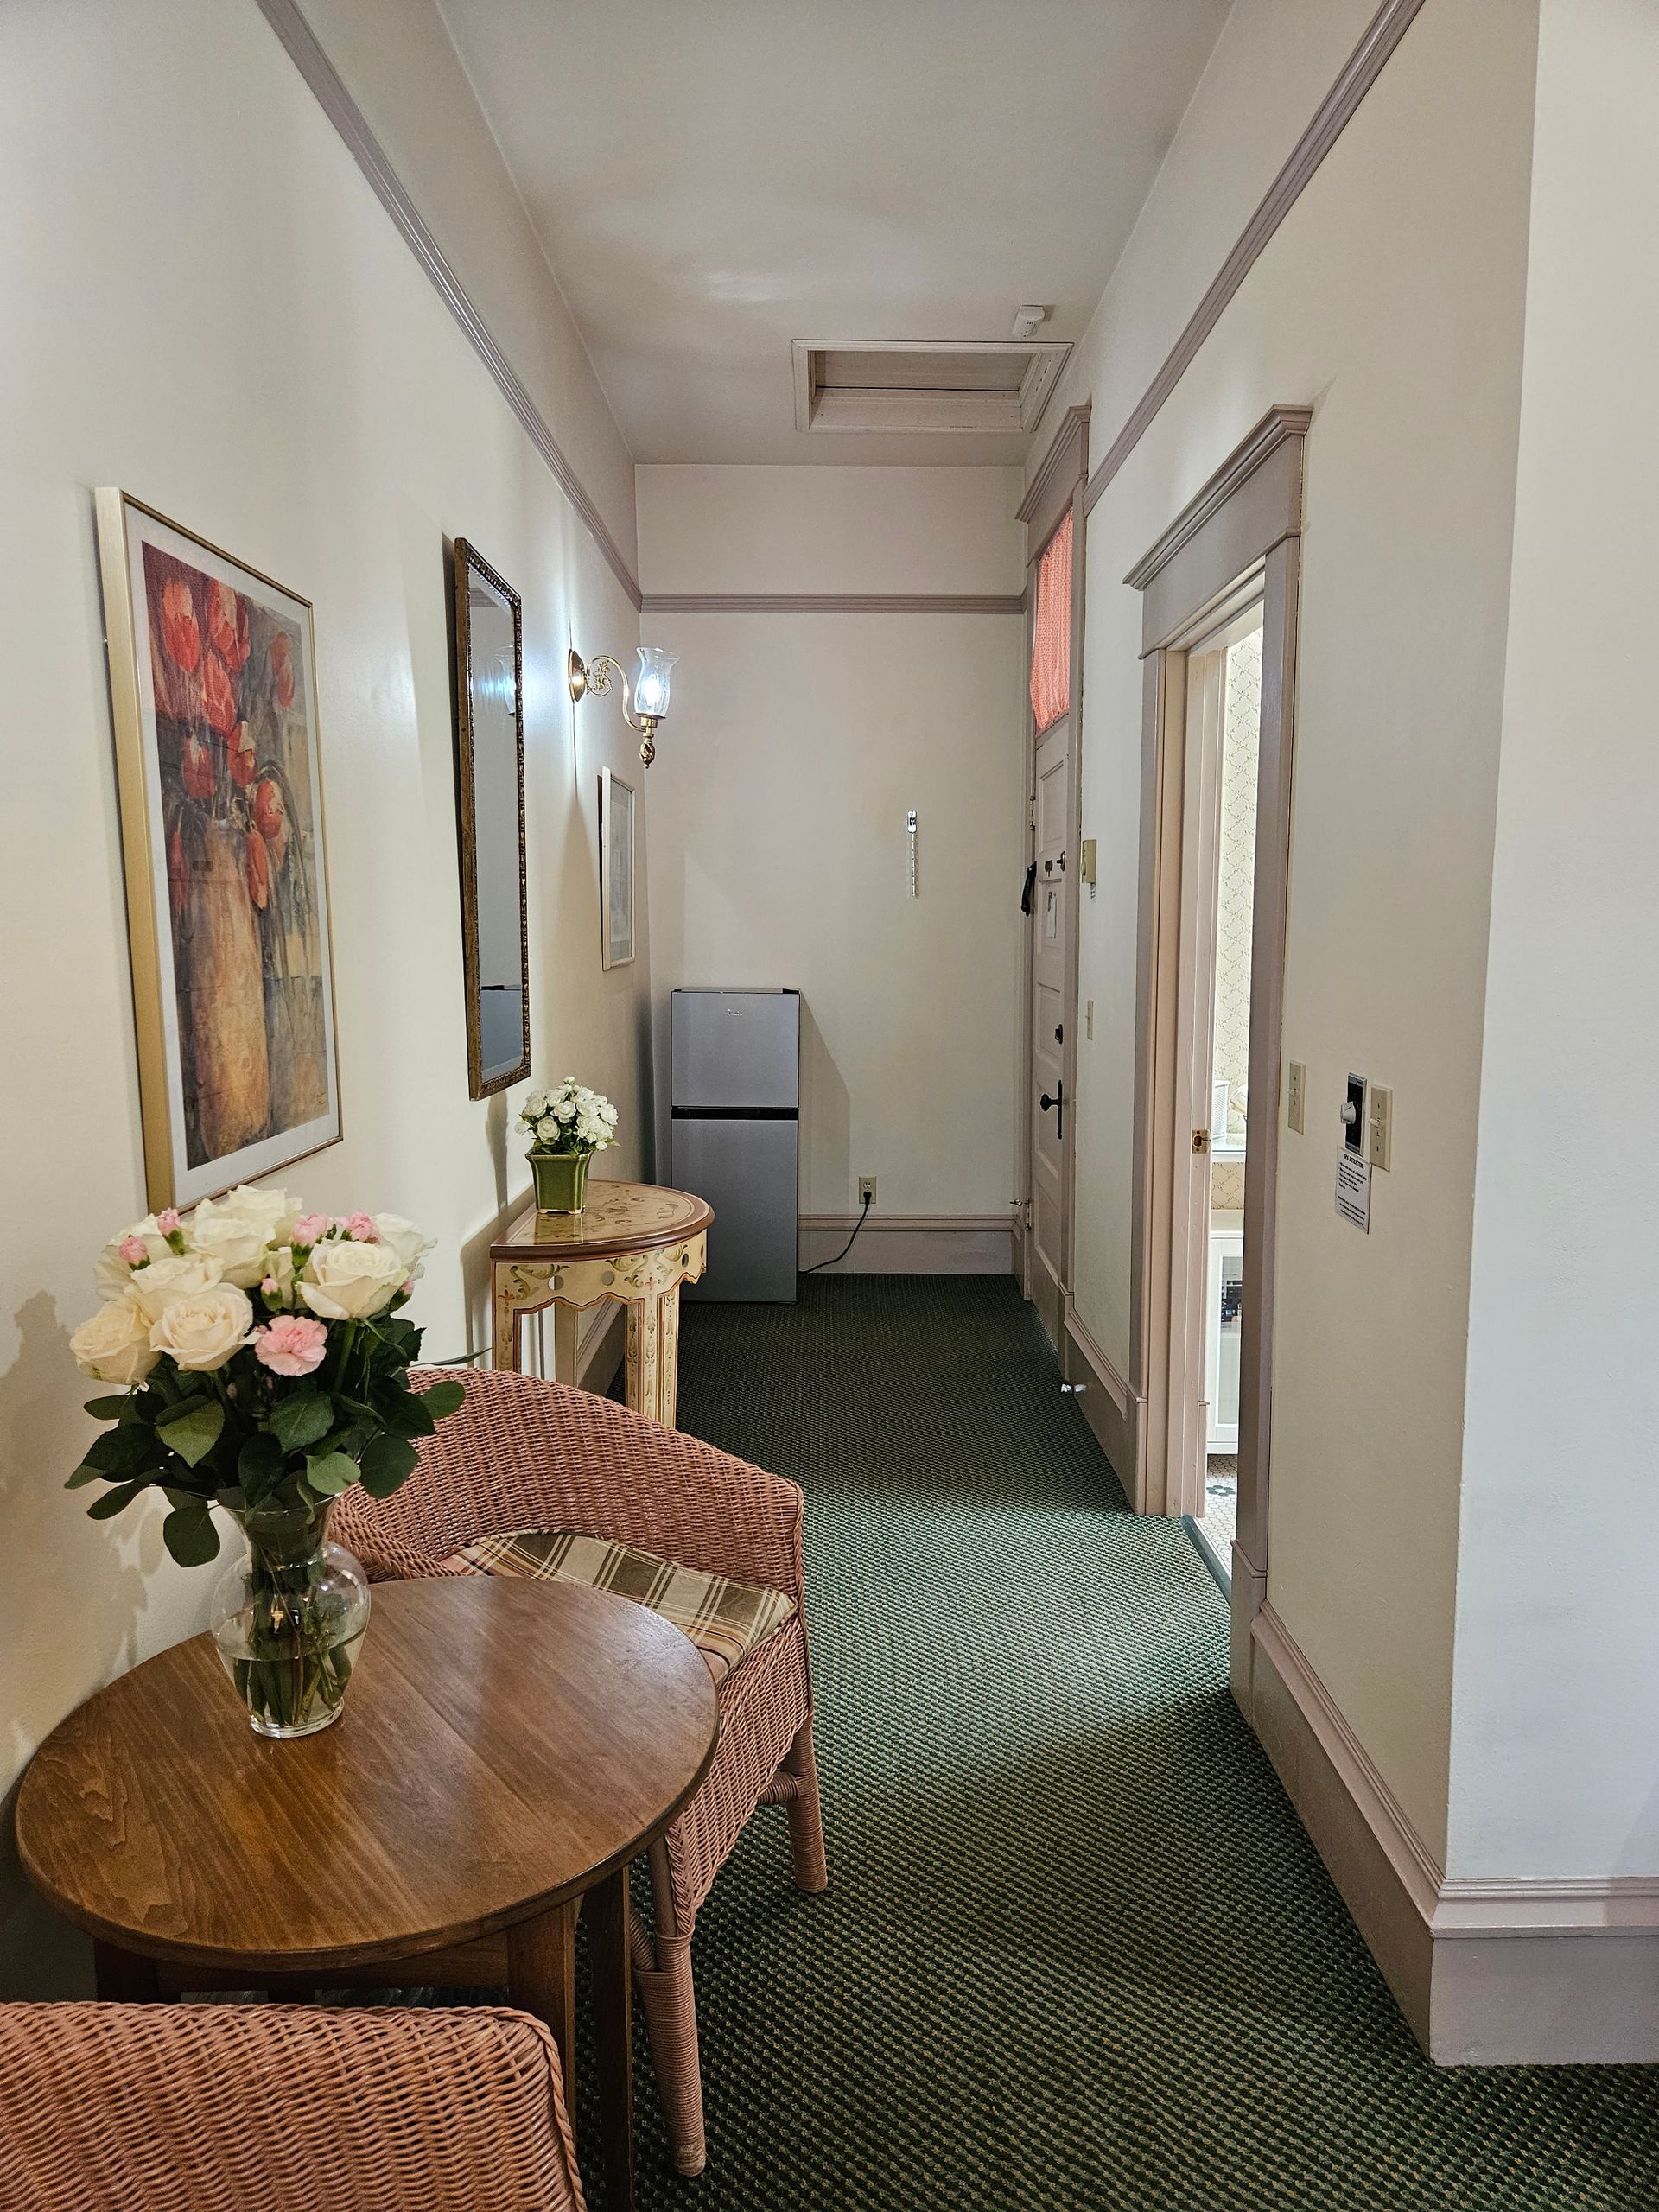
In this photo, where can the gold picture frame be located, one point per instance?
(489, 785)
(214, 703)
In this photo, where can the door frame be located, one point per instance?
(1237, 541)
(1059, 486)
(1199, 770)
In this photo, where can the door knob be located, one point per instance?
(1048, 867)
(1058, 1102)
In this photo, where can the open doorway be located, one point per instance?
(1223, 742)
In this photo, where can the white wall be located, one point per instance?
(1556, 1745)
(797, 744)
(1391, 299)
(211, 310)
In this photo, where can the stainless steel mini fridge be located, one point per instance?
(734, 1096)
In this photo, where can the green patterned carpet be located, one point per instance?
(1076, 1952)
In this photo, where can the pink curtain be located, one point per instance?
(1051, 636)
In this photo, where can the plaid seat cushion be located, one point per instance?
(723, 1618)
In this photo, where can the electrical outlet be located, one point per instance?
(866, 1190)
(1296, 1096)
(1381, 1127)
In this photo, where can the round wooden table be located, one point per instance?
(506, 1748)
(634, 1243)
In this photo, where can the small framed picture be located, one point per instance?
(214, 692)
(615, 870)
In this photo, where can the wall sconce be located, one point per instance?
(650, 689)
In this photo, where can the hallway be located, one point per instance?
(1077, 1951)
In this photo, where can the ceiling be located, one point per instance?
(714, 179)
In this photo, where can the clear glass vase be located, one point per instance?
(289, 1620)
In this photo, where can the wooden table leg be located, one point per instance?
(606, 1912)
(542, 1980)
(123, 1978)
(644, 1355)
(668, 1389)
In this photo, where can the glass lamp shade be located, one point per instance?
(650, 684)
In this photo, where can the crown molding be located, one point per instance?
(779, 602)
(305, 50)
(1359, 72)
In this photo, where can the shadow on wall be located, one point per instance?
(57, 1645)
(826, 1124)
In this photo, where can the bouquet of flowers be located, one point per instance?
(571, 1119)
(262, 1367)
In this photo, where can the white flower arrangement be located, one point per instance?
(571, 1119)
(262, 1357)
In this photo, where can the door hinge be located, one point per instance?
(1032, 824)
(1200, 1140)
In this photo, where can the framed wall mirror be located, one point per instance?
(490, 774)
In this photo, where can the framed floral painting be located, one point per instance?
(214, 692)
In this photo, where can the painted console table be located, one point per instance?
(633, 1245)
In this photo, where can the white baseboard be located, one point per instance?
(1488, 1972)
(1110, 1406)
(910, 1244)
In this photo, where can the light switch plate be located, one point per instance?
(1296, 1096)
(1381, 1127)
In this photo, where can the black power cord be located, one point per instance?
(847, 1246)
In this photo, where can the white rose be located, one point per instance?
(114, 1346)
(179, 1275)
(549, 1131)
(345, 1281)
(200, 1330)
(112, 1273)
(402, 1237)
(237, 1241)
(274, 1210)
(564, 1110)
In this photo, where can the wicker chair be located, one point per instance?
(522, 1453)
(280, 2108)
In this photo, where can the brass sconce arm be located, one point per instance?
(597, 676)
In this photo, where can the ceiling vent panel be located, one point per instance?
(994, 387)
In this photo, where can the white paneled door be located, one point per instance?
(1050, 935)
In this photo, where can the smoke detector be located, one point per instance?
(994, 386)
(1027, 320)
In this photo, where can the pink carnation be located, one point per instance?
(291, 1344)
(168, 1221)
(361, 1229)
(311, 1228)
(133, 1250)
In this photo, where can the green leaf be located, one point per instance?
(387, 1462)
(108, 1408)
(85, 1473)
(406, 1413)
(193, 1434)
(189, 1534)
(259, 1463)
(232, 1496)
(443, 1398)
(331, 1474)
(104, 1509)
(303, 1419)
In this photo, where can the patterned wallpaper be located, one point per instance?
(1240, 733)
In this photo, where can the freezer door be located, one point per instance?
(747, 1172)
(736, 1049)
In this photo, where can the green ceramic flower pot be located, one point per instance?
(561, 1181)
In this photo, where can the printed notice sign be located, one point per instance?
(1354, 1189)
